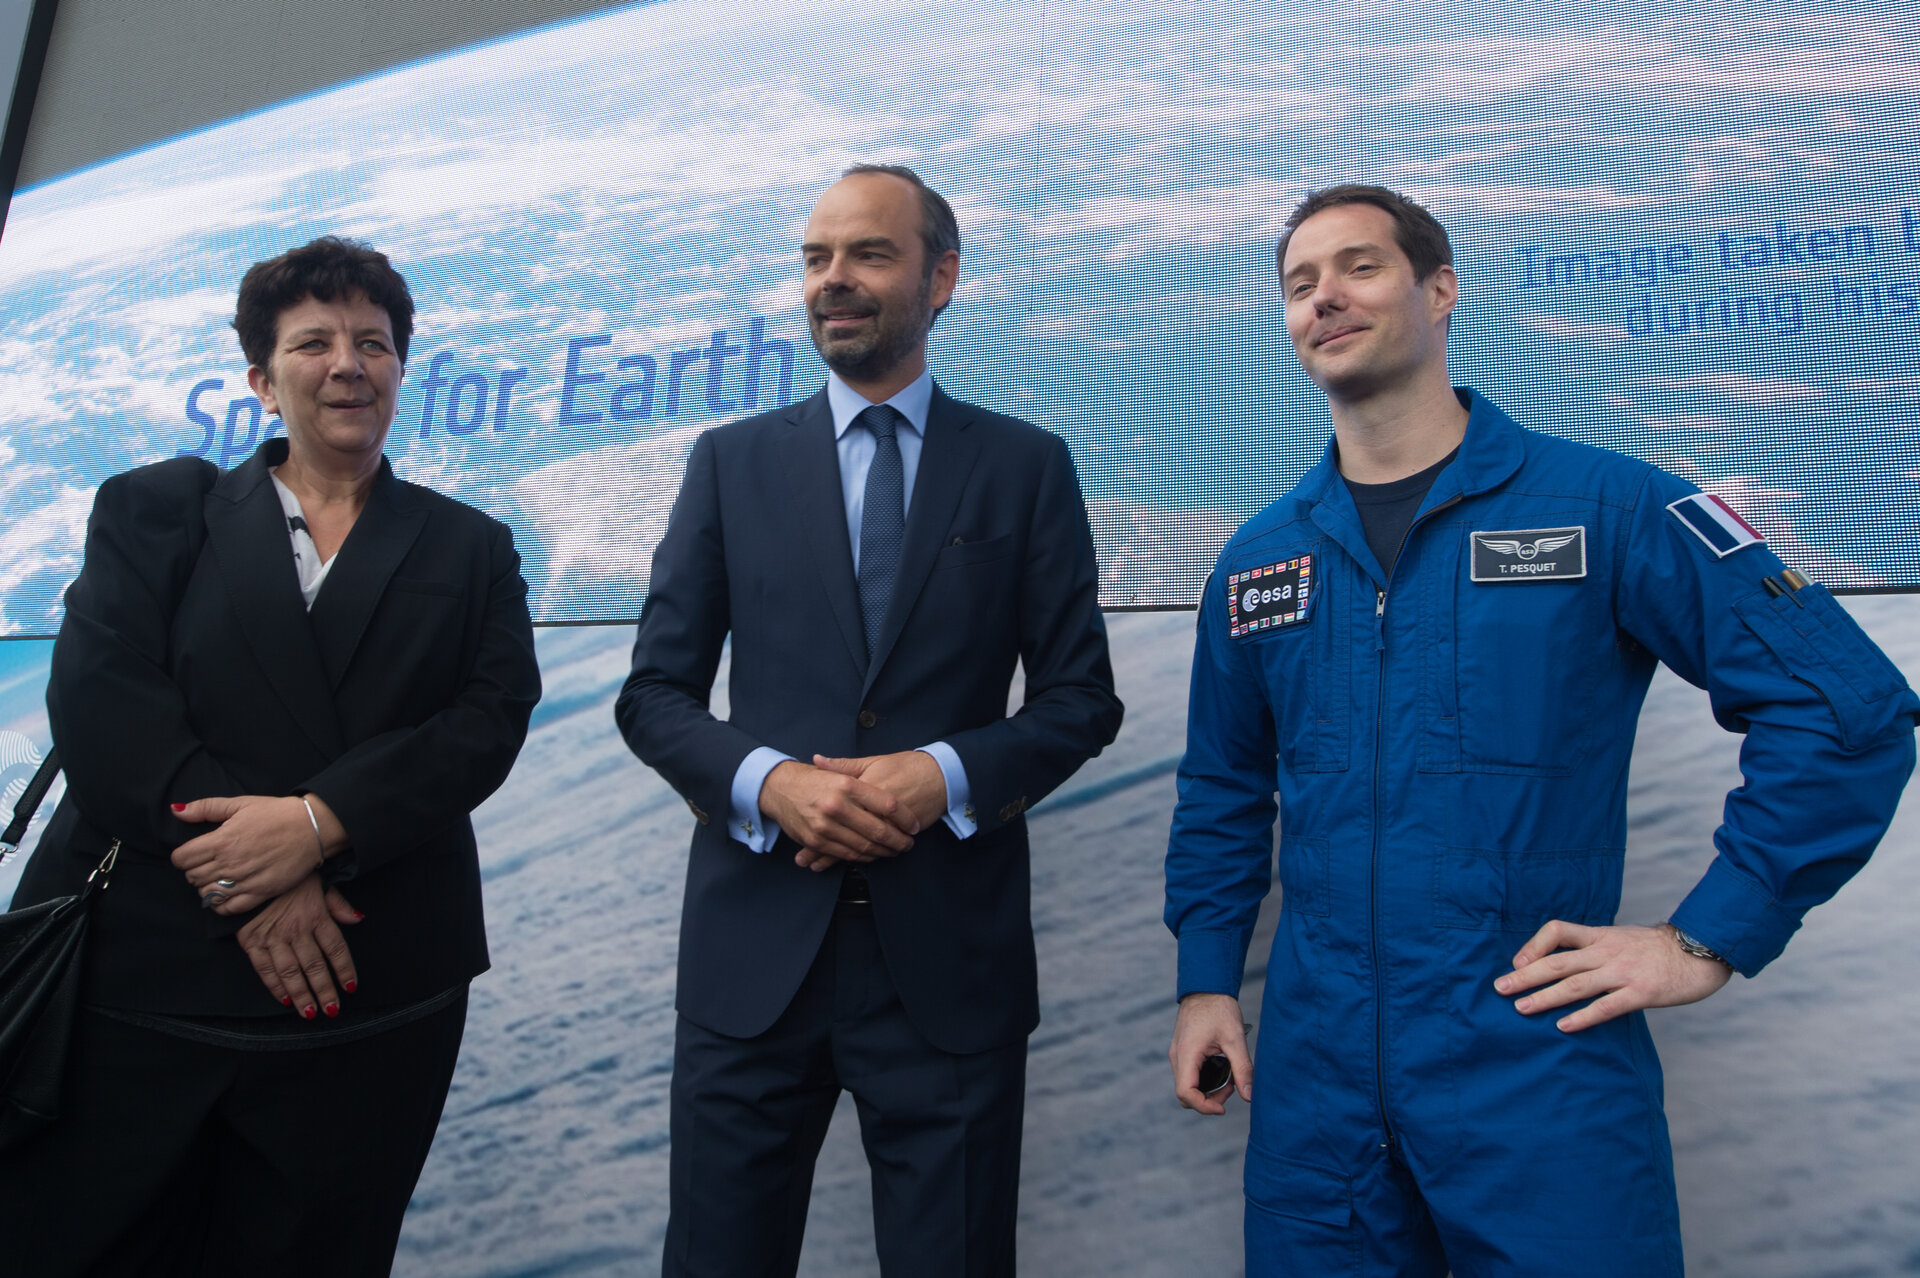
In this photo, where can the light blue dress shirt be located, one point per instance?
(745, 822)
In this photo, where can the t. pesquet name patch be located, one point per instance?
(1276, 595)
(1532, 554)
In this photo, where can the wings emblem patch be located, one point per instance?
(1535, 554)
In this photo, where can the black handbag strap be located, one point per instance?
(29, 804)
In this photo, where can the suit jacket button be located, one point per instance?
(868, 718)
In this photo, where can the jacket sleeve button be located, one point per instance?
(868, 718)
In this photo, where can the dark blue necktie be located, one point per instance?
(883, 520)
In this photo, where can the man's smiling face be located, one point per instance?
(869, 294)
(1360, 322)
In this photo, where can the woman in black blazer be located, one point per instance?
(283, 689)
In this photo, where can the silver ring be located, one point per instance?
(226, 883)
(211, 899)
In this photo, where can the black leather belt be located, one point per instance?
(853, 888)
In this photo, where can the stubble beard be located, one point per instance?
(1392, 365)
(871, 355)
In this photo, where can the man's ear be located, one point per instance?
(1443, 292)
(946, 277)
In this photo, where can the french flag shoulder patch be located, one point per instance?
(1715, 523)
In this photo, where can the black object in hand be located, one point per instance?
(1216, 1075)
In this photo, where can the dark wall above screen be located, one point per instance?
(15, 16)
(25, 26)
(123, 74)
(1691, 233)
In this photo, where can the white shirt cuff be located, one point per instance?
(745, 822)
(959, 814)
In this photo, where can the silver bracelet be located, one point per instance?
(314, 821)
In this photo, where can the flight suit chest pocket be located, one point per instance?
(1294, 651)
(1507, 666)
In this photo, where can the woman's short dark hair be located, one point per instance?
(1417, 232)
(327, 269)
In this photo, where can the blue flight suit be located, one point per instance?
(1450, 756)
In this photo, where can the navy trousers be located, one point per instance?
(941, 1131)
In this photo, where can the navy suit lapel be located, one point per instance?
(809, 464)
(248, 533)
(947, 456)
(383, 534)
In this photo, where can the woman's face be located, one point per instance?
(334, 377)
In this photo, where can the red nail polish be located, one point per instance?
(307, 1012)
(333, 1009)
(285, 1001)
(179, 807)
(357, 916)
(352, 986)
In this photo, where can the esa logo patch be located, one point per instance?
(1532, 554)
(1276, 595)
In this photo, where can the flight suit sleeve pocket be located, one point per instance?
(1303, 875)
(1494, 890)
(1820, 644)
(1299, 1190)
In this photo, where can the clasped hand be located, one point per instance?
(854, 810)
(1621, 968)
(297, 950)
(263, 845)
(267, 849)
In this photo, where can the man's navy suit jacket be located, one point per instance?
(997, 568)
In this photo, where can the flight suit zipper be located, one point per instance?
(1373, 875)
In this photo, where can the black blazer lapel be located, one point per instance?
(946, 463)
(248, 533)
(810, 461)
(381, 538)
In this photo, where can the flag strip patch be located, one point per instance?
(1279, 594)
(1716, 523)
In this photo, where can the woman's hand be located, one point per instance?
(261, 848)
(296, 946)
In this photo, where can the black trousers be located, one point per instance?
(177, 1158)
(942, 1132)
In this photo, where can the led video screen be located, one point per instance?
(1683, 232)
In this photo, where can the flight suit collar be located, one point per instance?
(1490, 454)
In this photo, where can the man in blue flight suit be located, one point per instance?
(1435, 649)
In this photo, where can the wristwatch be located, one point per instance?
(1695, 948)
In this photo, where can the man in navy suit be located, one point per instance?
(857, 894)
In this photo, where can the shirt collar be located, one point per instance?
(912, 402)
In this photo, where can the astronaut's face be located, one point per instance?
(1361, 323)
